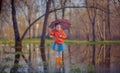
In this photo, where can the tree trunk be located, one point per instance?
(70, 56)
(93, 39)
(42, 44)
(1, 5)
(70, 17)
(92, 20)
(63, 3)
(18, 44)
(108, 38)
(55, 10)
(30, 36)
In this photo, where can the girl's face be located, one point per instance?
(58, 27)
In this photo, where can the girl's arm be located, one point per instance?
(63, 36)
(52, 34)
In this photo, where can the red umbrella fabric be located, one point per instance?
(65, 24)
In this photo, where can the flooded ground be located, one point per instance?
(77, 59)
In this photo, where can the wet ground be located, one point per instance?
(76, 59)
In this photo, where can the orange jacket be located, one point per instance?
(59, 36)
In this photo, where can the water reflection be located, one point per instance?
(76, 58)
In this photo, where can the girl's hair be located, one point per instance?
(57, 23)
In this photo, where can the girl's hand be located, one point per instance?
(51, 36)
(60, 36)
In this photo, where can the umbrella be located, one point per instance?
(65, 24)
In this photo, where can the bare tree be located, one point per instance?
(107, 37)
(92, 18)
(1, 2)
(63, 3)
(18, 44)
(53, 2)
(42, 44)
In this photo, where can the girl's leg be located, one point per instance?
(59, 59)
(59, 55)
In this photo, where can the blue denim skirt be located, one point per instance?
(58, 47)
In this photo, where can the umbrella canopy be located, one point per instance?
(65, 24)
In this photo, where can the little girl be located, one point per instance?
(59, 35)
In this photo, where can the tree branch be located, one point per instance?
(56, 10)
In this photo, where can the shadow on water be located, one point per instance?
(77, 59)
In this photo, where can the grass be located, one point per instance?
(48, 41)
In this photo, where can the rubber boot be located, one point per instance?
(58, 61)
